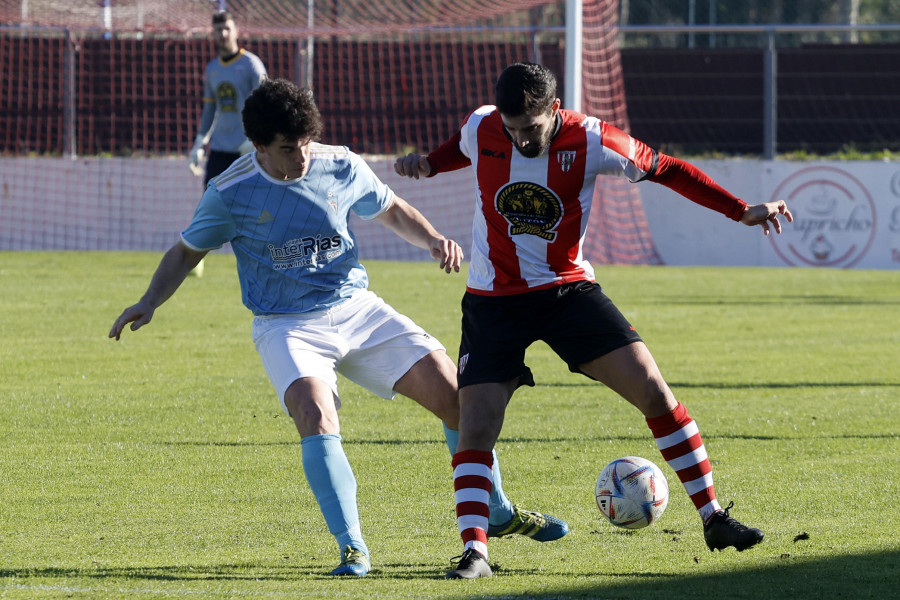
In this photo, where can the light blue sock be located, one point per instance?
(501, 507)
(334, 486)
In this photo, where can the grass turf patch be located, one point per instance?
(162, 465)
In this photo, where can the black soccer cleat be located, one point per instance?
(722, 530)
(471, 565)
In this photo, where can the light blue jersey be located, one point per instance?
(295, 251)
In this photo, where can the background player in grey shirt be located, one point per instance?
(228, 80)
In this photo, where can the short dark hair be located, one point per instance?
(525, 88)
(221, 17)
(278, 106)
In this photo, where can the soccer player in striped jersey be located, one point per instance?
(285, 208)
(535, 166)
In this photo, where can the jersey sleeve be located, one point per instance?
(646, 163)
(452, 154)
(207, 117)
(697, 186)
(373, 195)
(448, 156)
(209, 93)
(208, 114)
(258, 70)
(212, 224)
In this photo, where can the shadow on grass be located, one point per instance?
(236, 572)
(581, 439)
(640, 437)
(787, 299)
(233, 572)
(719, 385)
(872, 575)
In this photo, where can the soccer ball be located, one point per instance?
(632, 492)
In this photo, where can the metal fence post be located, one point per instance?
(70, 102)
(770, 96)
(574, 24)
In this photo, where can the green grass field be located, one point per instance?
(162, 466)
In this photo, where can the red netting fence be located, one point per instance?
(104, 100)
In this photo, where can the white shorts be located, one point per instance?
(362, 338)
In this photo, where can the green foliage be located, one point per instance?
(759, 12)
(162, 466)
(848, 152)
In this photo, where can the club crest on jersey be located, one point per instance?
(227, 95)
(565, 158)
(530, 208)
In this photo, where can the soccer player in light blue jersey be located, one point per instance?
(284, 208)
(227, 81)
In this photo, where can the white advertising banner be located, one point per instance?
(846, 215)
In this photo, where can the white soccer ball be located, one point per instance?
(632, 492)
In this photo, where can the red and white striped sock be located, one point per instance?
(678, 439)
(472, 482)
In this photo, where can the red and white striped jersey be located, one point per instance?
(532, 213)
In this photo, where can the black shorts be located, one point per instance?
(577, 320)
(217, 162)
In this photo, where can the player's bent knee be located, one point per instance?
(313, 413)
(432, 383)
(311, 420)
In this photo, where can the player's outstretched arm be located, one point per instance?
(411, 225)
(766, 213)
(413, 165)
(172, 269)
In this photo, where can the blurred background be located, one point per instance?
(115, 84)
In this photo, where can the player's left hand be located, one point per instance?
(138, 315)
(448, 252)
(766, 213)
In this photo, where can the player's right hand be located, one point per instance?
(197, 155)
(448, 252)
(195, 161)
(138, 315)
(413, 165)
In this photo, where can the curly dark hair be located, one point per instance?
(525, 88)
(278, 106)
